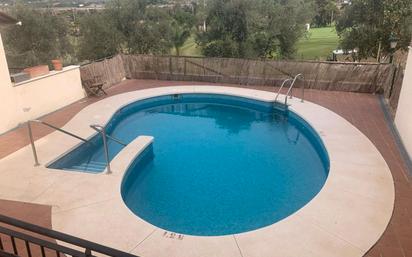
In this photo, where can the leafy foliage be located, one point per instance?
(41, 38)
(179, 36)
(266, 28)
(224, 28)
(99, 37)
(326, 11)
(145, 29)
(370, 24)
(182, 26)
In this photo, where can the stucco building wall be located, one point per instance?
(403, 118)
(35, 97)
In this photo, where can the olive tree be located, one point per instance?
(43, 36)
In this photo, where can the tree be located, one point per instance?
(145, 28)
(41, 38)
(179, 36)
(184, 16)
(261, 28)
(183, 22)
(278, 25)
(369, 25)
(326, 11)
(98, 38)
(227, 30)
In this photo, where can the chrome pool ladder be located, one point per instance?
(102, 131)
(96, 127)
(290, 89)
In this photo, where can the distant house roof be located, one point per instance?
(6, 19)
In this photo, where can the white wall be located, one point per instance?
(48, 93)
(35, 97)
(8, 103)
(403, 118)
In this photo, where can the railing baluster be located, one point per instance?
(88, 252)
(13, 242)
(45, 246)
(43, 253)
(28, 248)
(41, 242)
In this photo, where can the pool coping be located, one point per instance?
(345, 219)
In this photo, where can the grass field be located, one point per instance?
(189, 48)
(317, 44)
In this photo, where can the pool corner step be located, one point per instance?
(91, 166)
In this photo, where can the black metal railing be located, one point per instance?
(19, 238)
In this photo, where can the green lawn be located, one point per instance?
(318, 44)
(189, 48)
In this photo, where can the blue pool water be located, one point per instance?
(218, 165)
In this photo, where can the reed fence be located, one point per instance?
(110, 70)
(335, 76)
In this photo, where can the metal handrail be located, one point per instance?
(31, 240)
(59, 129)
(291, 88)
(280, 89)
(99, 127)
(33, 147)
(102, 130)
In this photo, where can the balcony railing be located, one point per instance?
(19, 238)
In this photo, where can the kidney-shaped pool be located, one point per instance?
(219, 164)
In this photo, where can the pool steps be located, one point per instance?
(91, 166)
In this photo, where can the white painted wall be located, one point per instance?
(403, 118)
(35, 97)
(48, 93)
(8, 103)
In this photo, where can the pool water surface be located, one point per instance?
(218, 165)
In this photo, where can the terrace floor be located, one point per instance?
(362, 110)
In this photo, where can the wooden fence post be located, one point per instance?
(395, 71)
(184, 67)
(170, 67)
(264, 72)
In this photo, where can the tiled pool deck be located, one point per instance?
(362, 110)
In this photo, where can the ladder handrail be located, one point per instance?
(33, 147)
(102, 130)
(59, 129)
(291, 88)
(98, 128)
(280, 89)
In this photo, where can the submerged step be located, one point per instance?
(91, 166)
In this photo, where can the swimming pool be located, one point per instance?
(219, 164)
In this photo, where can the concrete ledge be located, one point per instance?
(124, 159)
(51, 73)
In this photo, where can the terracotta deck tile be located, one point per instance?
(392, 252)
(33, 213)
